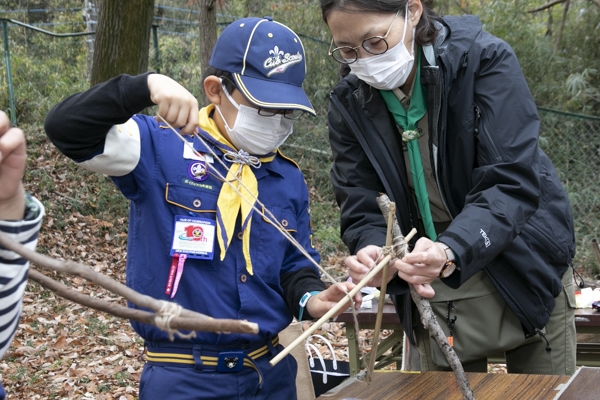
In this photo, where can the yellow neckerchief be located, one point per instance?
(241, 176)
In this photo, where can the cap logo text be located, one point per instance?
(280, 61)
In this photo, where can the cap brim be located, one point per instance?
(272, 94)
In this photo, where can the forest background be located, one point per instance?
(63, 350)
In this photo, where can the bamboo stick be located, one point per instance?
(337, 307)
(382, 290)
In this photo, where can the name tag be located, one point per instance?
(194, 237)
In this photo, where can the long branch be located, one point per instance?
(188, 320)
(74, 268)
(427, 316)
(200, 323)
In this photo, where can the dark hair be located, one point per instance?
(425, 32)
(227, 78)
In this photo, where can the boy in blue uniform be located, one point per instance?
(193, 239)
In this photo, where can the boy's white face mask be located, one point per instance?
(389, 70)
(254, 133)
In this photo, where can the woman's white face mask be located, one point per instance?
(254, 133)
(388, 70)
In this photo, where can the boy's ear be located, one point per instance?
(212, 89)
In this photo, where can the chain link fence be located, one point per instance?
(572, 142)
(47, 68)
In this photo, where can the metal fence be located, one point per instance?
(46, 68)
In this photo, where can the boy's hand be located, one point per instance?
(319, 304)
(175, 103)
(12, 167)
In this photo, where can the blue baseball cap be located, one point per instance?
(267, 62)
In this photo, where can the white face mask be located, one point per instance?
(388, 70)
(254, 133)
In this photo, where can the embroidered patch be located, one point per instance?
(198, 171)
(198, 185)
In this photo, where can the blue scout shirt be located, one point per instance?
(161, 188)
(96, 129)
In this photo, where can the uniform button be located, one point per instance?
(240, 235)
(243, 278)
(197, 203)
(284, 223)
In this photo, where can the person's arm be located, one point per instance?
(20, 219)
(506, 180)
(79, 124)
(12, 167)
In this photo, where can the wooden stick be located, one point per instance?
(187, 319)
(382, 290)
(300, 339)
(335, 308)
(199, 324)
(429, 320)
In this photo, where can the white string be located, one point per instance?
(270, 218)
(165, 314)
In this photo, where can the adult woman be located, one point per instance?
(493, 219)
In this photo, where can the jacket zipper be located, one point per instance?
(485, 135)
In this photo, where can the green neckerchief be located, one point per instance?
(408, 121)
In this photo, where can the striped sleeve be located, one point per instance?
(13, 274)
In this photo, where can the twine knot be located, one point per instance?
(241, 157)
(165, 314)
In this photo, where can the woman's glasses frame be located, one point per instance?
(337, 52)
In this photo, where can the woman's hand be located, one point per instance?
(363, 262)
(422, 266)
(319, 304)
(175, 103)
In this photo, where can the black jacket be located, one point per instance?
(511, 215)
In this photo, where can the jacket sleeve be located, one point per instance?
(505, 180)
(355, 181)
(78, 125)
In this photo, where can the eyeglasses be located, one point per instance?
(374, 45)
(287, 114)
(265, 112)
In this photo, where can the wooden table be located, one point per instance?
(587, 321)
(392, 385)
(442, 385)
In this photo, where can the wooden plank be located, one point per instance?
(582, 385)
(442, 385)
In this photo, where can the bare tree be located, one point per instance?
(561, 27)
(122, 38)
(207, 18)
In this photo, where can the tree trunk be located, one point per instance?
(122, 38)
(254, 8)
(207, 18)
(561, 27)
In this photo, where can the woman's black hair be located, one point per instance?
(226, 77)
(425, 32)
